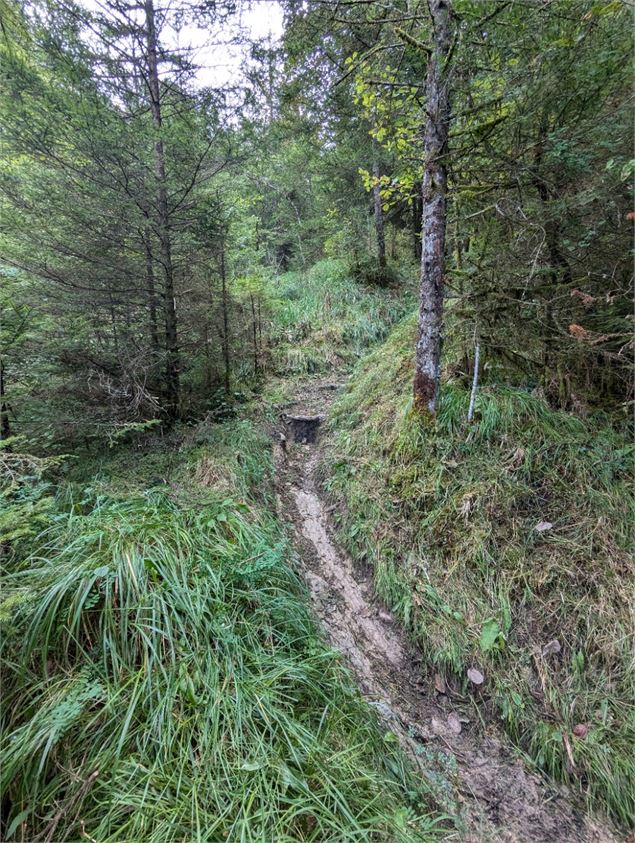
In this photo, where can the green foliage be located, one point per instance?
(539, 237)
(325, 318)
(494, 538)
(128, 430)
(366, 270)
(26, 501)
(164, 680)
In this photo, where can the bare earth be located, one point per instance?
(474, 774)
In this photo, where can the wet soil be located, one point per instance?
(471, 769)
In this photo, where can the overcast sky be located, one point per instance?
(221, 63)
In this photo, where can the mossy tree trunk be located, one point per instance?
(379, 211)
(434, 217)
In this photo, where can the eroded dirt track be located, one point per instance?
(473, 773)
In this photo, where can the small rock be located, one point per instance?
(475, 676)
(517, 458)
(438, 726)
(439, 684)
(454, 723)
(551, 648)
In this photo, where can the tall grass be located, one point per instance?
(164, 681)
(447, 515)
(325, 318)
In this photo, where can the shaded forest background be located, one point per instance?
(147, 223)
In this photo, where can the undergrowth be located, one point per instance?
(163, 679)
(325, 319)
(494, 539)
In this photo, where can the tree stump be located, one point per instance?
(304, 429)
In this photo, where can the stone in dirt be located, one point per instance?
(551, 648)
(454, 723)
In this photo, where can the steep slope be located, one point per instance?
(502, 546)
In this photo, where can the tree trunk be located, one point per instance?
(208, 358)
(163, 216)
(379, 213)
(434, 218)
(559, 268)
(254, 328)
(225, 306)
(5, 425)
(152, 300)
(113, 325)
(417, 213)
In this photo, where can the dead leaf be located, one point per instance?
(475, 676)
(581, 730)
(586, 298)
(439, 684)
(467, 505)
(579, 332)
(551, 648)
(543, 526)
(454, 724)
(568, 750)
(517, 458)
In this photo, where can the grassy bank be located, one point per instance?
(325, 319)
(494, 540)
(163, 678)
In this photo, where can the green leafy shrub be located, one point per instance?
(367, 270)
(26, 501)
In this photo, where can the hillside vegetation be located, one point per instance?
(217, 217)
(503, 545)
(325, 318)
(163, 678)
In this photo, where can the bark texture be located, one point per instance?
(225, 308)
(163, 218)
(5, 424)
(152, 300)
(434, 216)
(379, 215)
(559, 268)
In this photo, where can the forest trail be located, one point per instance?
(474, 774)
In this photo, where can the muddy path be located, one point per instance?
(471, 768)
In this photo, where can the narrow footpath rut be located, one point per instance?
(474, 774)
